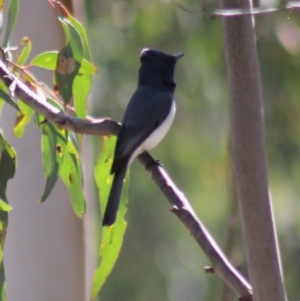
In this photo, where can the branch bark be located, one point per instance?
(249, 155)
(180, 205)
(24, 92)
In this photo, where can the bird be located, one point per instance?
(147, 118)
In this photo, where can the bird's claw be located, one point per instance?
(154, 163)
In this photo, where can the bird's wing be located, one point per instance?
(146, 111)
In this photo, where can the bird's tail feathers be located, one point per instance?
(114, 197)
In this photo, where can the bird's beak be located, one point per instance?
(178, 56)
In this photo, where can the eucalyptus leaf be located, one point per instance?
(11, 20)
(112, 237)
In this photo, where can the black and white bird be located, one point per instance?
(147, 119)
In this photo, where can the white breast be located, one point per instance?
(156, 136)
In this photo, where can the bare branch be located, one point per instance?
(181, 206)
(183, 210)
(220, 265)
(234, 12)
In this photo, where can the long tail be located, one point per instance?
(114, 197)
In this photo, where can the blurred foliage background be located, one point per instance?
(159, 259)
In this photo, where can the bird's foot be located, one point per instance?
(154, 163)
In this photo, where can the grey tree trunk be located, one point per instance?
(249, 156)
(44, 251)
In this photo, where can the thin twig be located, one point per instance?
(234, 12)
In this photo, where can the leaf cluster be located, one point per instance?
(61, 149)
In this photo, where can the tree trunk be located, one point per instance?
(44, 249)
(249, 155)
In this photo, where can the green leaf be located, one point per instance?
(73, 39)
(4, 206)
(7, 163)
(71, 174)
(53, 102)
(5, 97)
(25, 52)
(87, 68)
(11, 20)
(112, 237)
(81, 31)
(65, 72)
(22, 120)
(69, 61)
(46, 60)
(81, 89)
(54, 143)
(83, 81)
(73, 146)
(2, 280)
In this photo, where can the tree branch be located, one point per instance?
(24, 92)
(182, 209)
(234, 12)
(181, 206)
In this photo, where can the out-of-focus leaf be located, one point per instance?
(4, 89)
(54, 142)
(71, 174)
(2, 281)
(74, 146)
(1, 16)
(11, 20)
(22, 120)
(2, 55)
(7, 164)
(112, 237)
(7, 168)
(1, 4)
(55, 103)
(4, 206)
(5, 97)
(25, 52)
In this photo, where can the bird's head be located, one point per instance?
(157, 67)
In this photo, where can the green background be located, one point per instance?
(159, 259)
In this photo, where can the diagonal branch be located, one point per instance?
(180, 205)
(24, 92)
